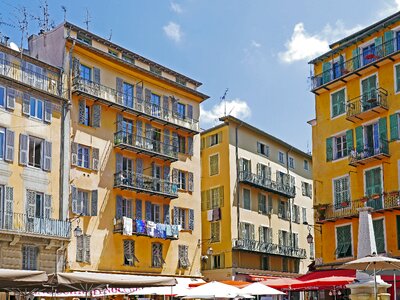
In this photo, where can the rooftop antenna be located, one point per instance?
(64, 9)
(87, 19)
(110, 35)
(23, 26)
(223, 99)
(44, 23)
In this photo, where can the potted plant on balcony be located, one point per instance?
(321, 209)
(376, 196)
(344, 204)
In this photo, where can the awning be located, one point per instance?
(82, 294)
(14, 279)
(323, 283)
(256, 278)
(327, 273)
(181, 287)
(234, 283)
(282, 283)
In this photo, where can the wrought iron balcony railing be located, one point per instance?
(24, 224)
(49, 83)
(267, 184)
(366, 105)
(145, 184)
(147, 228)
(369, 152)
(345, 68)
(133, 104)
(141, 144)
(269, 248)
(349, 208)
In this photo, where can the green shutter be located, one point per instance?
(356, 59)
(397, 78)
(382, 129)
(329, 149)
(389, 42)
(349, 140)
(341, 63)
(379, 235)
(378, 47)
(326, 72)
(359, 139)
(398, 231)
(335, 104)
(394, 127)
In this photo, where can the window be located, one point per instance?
(156, 255)
(397, 79)
(87, 116)
(296, 214)
(306, 165)
(181, 217)
(283, 237)
(83, 156)
(38, 205)
(247, 231)
(36, 108)
(341, 192)
(281, 157)
(129, 253)
(343, 241)
(283, 210)
(340, 148)
(113, 53)
(369, 92)
(181, 180)
(338, 103)
(2, 142)
(155, 213)
(181, 144)
(368, 54)
(83, 248)
(214, 164)
(379, 233)
(86, 73)
(29, 257)
(265, 234)
(124, 208)
(264, 262)
(35, 152)
(304, 214)
(84, 39)
(127, 95)
(155, 70)
(128, 59)
(180, 110)
(183, 256)
(217, 261)
(263, 149)
(180, 81)
(373, 186)
(215, 232)
(262, 203)
(155, 105)
(83, 202)
(285, 264)
(306, 189)
(291, 162)
(246, 199)
(215, 139)
(212, 198)
(2, 96)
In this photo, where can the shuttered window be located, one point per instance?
(183, 256)
(84, 202)
(212, 198)
(215, 232)
(2, 96)
(338, 103)
(340, 146)
(341, 192)
(343, 241)
(217, 261)
(379, 233)
(129, 253)
(30, 257)
(397, 79)
(83, 248)
(246, 199)
(2, 142)
(306, 189)
(214, 164)
(262, 149)
(156, 255)
(35, 152)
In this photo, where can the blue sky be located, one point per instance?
(259, 49)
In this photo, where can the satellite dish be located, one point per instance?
(14, 46)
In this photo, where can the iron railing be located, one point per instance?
(357, 156)
(267, 184)
(24, 224)
(367, 101)
(269, 248)
(349, 208)
(49, 83)
(144, 183)
(142, 228)
(136, 104)
(359, 61)
(143, 143)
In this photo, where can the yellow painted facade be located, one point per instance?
(363, 65)
(135, 157)
(249, 253)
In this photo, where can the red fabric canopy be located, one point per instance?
(322, 283)
(281, 283)
(327, 273)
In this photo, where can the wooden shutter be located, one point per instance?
(149, 132)
(26, 104)
(167, 142)
(356, 58)
(119, 87)
(139, 209)
(378, 46)
(93, 204)
(118, 207)
(379, 233)
(175, 175)
(30, 203)
(9, 207)
(87, 248)
(47, 155)
(191, 219)
(47, 206)
(167, 219)
(120, 119)
(48, 111)
(74, 200)
(139, 97)
(190, 180)
(9, 143)
(96, 115)
(176, 215)
(329, 149)
(349, 140)
(382, 130)
(190, 145)
(82, 108)
(139, 171)
(175, 141)
(74, 154)
(326, 72)
(129, 208)
(205, 200)
(165, 107)
(190, 112)
(359, 139)
(147, 101)
(11, 96)
(118, 163)
(148, 210)
(389, 42)
(394, 127)
(96, 75)
(76, 67)
(174, 106)
(23, 149)
(79, 248)
(139, 132)
(95, 159)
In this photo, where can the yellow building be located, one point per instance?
(33, 230)
(265, 234)
(134, 160)
(355, 140)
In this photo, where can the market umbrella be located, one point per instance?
(10, 278)
(213, 289)
(258, 288)
(330, 281)
(373, 263)
(281, 283)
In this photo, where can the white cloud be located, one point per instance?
(255, 44)
(236, 107)
(303, 45)
(389, 8)
(173, 31)
(175, 7)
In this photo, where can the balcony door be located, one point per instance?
(157, 177)
(368, 54)
(127, 131)
(373, 186)
(35, 212)
(369, 94)
(371, 139)
(155, 105)
(156, 139)
(246, 167)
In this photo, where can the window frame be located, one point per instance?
(306, 165)
(181, 144)
(343, 137)
(210, 169)
(161, 261)
(384, 234)
(132, 254)
(82, 165)
(337, 205)
(2, 142)
(396, 88)
(182, 180)
(3, 105)
(291, 162)
(280, 153)
(215, 239)
(36, 102)
(365, 179)
(40, 152)
(181, 114)
(36, 256)
(367, 77)
(85, 70)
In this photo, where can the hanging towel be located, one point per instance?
(151, 226)
(210, 215)
(216, 214)
(168, 230)
(127, 226)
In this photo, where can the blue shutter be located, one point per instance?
(176, 209)
(118, 212)
(148, 210)
(139, 172)
(139, 209)
(167, 219)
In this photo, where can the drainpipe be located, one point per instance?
(237, 180)
(290, 200)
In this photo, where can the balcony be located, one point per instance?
(367, 106)
(378, 152)
(379, 202)
(268, 248)
(49, 83)
(146, 228)
(266, 184)
(145, 184)
(140, 144)
(355, 66)
(41, 227)
(133, 105)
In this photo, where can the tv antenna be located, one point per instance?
(223, 99)
(23, 26)
(110, 35)
(64, 9)
(44, 23)
(87, 19)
